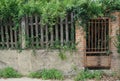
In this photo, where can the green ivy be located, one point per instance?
(49, 10)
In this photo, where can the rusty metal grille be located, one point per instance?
(97, 43)
(97, 36)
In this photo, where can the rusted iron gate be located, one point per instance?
(98, 43)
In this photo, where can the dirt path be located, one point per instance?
(29, 79)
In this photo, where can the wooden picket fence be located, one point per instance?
(9, 34)
(36, 34)
(39, 35)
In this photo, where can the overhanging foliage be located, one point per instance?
(49, 10)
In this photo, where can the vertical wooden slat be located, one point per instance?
(32, 37)
(7, 37)
(56, 31)
(27, 28)
(11, 35)
(2, 36)
(66, 29)
(15, 33)
(51, 33)
(22, 32)
(41, 38)
(36, 30)
(46, 34)
(61, 31)
(72, 25)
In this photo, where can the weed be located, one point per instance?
(35, 74)
(47, 74)
(83, 75)
(9, 72)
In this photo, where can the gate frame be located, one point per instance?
(109, 56)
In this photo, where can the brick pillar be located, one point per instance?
(115, 62)
(81, 42)
(80, 37)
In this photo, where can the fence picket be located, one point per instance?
(56, 31)
(31, 27)
(7, 37)
(51, 33)
(66, 30)
(2, 36)
(41, 41)
(46, 34)
(36, 29)
(11, 36)
(61, 31)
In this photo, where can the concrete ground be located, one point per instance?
(29, 79)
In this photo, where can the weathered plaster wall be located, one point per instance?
(26, 61)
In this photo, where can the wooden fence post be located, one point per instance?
(23, 32)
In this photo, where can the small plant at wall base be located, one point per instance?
(35, 74)
(9, 72)
(84, 75)
(47, 74)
